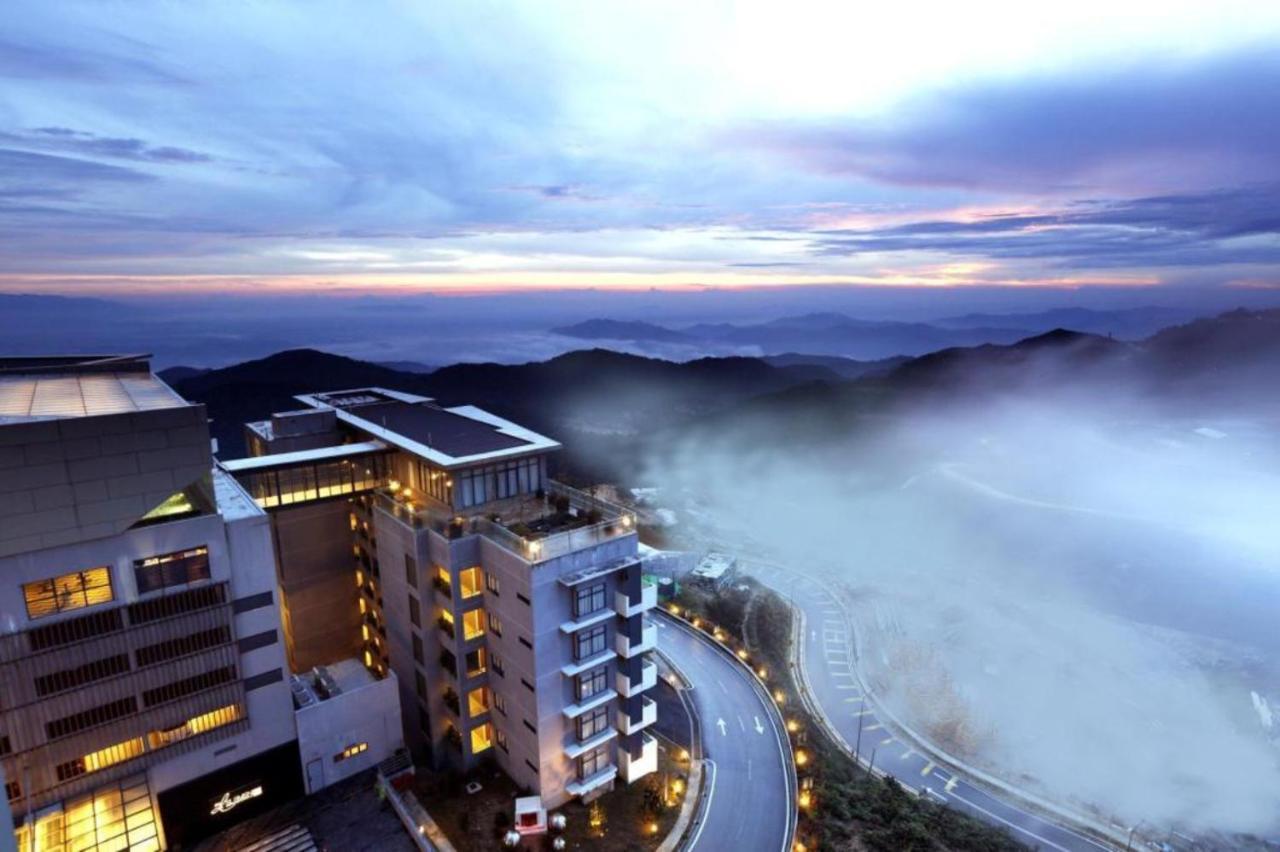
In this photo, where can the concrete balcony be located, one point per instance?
(583, 786)
(648, 715)
(626, 607)
(648, 641)
(648, 679)
(632, 769)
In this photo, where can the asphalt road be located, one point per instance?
(829, 663)
(749, 802)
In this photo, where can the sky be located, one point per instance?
(337, 147)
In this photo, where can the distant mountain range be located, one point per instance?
(602, 404)
(841, 335)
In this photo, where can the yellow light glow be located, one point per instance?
(793, 725)
(742, 653)
(779, 696)
(761, 673)
(802, 757)
(805, 799)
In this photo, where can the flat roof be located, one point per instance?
(337, 451)
(62, 387)
(448, 437)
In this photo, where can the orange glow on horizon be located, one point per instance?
(957, 274)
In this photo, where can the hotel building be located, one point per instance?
(146, 695)
(431, 542)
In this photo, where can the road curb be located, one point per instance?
(775, 717)
(1093, 830)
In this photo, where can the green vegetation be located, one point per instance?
(847, 808)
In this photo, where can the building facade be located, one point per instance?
(141, 638)
(510, 608)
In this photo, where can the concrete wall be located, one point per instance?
(369, 714)
(80, 479)
(316, 570)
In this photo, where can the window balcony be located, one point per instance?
(648, 715)
(583, 786)
(648, 641)
(627, 607)
(633, 769)
(648, 679)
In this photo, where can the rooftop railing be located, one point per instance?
(537, 529)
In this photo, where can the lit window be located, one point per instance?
(481, 738)
(350, 751)
(478, 701)
(70, 591)
(473, 624)
(195, 725)
(471, 582)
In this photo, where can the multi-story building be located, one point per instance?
(431, 541)
(145, 699)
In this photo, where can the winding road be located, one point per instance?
(749, 796)
(827, 649)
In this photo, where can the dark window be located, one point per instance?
(491, 583)
(529, 725)
(525, 642)
(495, 662)
(424, 720)
(264, 679)
(410, 571)
(593, 761)
(523, 599)
(420, 683)
(502, 740)
(256, 641)
(251, 602)
(592, 723)
(495, 625)
(527, 685)
(588, 599)
(589, 642)
(68, 725)
(449, 662)
(500, 703)
(531, 766)
(171, 569)
(12, 790)
(417, 650)
(476, 662)
(71, 769)
(149, 655)
(5, 745)
(75, 630)
(177, 604)
(592, 682)
(415, 614)
(189, 686)
(81, 675)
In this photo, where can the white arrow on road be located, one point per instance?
(759, 727)
(720, 723)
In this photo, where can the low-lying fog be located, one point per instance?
(1083, 599)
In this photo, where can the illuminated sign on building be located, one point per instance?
(229, 801)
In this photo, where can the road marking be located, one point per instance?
(928, 767)
(706, 807)
(906, 754)
(853, 699)
(846, 686)
(862, 713)
(876, 727)
(759, 727)
(886, 741)
(1015, 826)
(720, 724)
(951, 785)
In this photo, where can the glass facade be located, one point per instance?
(477, 485)
(305, 483)
(76, 590)
(115, 816)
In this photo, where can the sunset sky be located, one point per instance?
(189, 146)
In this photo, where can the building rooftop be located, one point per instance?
(445, 436)
(80, 386)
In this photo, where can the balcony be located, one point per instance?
(626, 607)
(648, 679)
(632, 769)
(582, 786)
(648, 641)
(648, 715)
